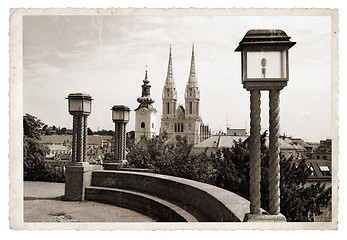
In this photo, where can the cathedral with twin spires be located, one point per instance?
(178, 120)
(175, 120)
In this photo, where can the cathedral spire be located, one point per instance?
(169, 90)
(169, 77)
(192, 76)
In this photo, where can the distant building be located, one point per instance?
(218, 142)
(288, 148)
(236, 131)
(215, 143)
(323, 151)
(205, 132)
(320, 171)
(65, 140)
(98, 142)
(308, 146)
(60, 146)
(319, 163)
(56, 150)
(178, 120)
(145, 113)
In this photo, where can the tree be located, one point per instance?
(231, 168)
(44, 128)
(298, 201)
(33, 151)
(63, 130)
(168, 158)
(90, 132)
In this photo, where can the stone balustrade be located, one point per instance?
(167, 196)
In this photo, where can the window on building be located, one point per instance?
(175, 127)
(313, 173)
(168, 108)
(190, 107)
(181, 127)
(178, 127)
(143, 125)
(152, 125)
(325, 170)
(325, 157)
(318, 157)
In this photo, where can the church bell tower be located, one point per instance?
(145, 113)
(192, 105)
(192, 93)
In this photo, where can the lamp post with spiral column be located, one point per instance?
(120, 116)
(78, 172)
(80, 107)
(264, 57)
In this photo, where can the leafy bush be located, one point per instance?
(54, 171)
(34, 166)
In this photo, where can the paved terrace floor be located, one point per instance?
(43, 203)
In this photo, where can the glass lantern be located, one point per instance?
(80, 103)
(264, 55)
(120, 113)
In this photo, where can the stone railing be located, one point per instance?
(166, 195)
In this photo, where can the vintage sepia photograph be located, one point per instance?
(226, 117)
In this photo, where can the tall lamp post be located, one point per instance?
(80, 107)
(264, 56)
(120, 116)
(78, 172)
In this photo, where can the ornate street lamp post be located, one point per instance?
(80, 106)
(264, 55)
(78, 172)
(120, 116)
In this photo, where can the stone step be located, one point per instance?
(149, 205)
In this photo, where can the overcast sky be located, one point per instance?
(106, 57)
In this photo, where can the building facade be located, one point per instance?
(323, 152)
(288, 149)
(145, 113)
(183, 121)
(236, 131)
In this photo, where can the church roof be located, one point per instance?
(148, 106)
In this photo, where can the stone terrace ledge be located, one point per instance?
(216, 204)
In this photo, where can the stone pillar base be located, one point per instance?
(78, 176)
(112, 166)
(264, 218)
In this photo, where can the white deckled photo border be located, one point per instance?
(16, 118)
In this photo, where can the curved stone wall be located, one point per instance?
(215, 203)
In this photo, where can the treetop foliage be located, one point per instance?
(229, 169)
